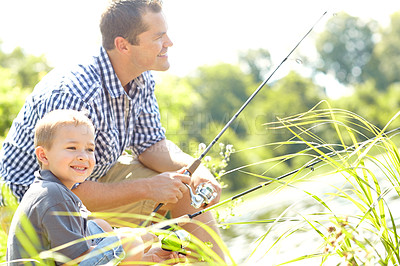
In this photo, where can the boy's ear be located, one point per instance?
(41, 155)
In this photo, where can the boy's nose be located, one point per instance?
(82, 156)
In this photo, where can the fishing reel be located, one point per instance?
(174, 240)
(205, 193)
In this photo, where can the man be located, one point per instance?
(117, 90)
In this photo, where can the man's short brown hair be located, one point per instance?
(123, 18)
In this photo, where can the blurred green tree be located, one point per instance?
(384, 67)
(221, 89)
(346, 47)
(256, 62)
(19, 73)
(291, 95)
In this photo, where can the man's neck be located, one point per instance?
(124, 73)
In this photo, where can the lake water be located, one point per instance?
(242, 239)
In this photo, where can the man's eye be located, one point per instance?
(90, 150)
(71, 148)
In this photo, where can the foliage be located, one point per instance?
(195, 108)
(221, 89)
(27, 69)
(345, 47)
(19, 73)
(384, 67)
(358, 51)
(372, 229)
(6, 214)
(200, 251)
(216, 93)
(349, 223)
(257, 63)
(377, 105)
(11, 99)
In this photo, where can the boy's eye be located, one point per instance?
(90, 150)
(71, 148)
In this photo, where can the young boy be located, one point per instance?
(50, 216)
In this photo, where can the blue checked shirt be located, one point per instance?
(122, 120)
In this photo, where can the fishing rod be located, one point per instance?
(205, 193)
(309, 165)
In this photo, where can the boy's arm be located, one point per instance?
(62, 227)
(81, 256)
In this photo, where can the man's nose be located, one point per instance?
(168, 42)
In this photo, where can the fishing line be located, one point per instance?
(257, 90)
(197, 162)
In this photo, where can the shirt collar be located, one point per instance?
(47, 175)
(110, 78)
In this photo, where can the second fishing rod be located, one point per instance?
(310, 165)
(181, 238)
(205, 193)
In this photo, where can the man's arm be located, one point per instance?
(166, 156)
(166, 187)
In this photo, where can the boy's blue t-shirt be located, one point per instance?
(55, 216)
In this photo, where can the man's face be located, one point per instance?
(151, 52)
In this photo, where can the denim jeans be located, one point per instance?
(108, 250)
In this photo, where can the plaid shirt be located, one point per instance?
(122, 120)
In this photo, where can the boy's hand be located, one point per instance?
(148, 239)
(159, 255)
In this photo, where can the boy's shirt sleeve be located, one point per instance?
(66, 230)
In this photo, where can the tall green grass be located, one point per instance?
(200, 251)
(369, 235)
(365, 232)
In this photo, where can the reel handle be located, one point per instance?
(189, 171)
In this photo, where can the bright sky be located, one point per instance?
(203, 31)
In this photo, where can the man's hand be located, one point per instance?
(203, 175)
(167, 187)
(165, 156)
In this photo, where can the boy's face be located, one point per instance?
(71, 156)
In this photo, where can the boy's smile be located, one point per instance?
(71, 155)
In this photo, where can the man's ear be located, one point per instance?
(41, 155)
(121, 44)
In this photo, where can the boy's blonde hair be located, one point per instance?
(47, 126)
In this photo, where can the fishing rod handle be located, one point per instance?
(190, 170)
